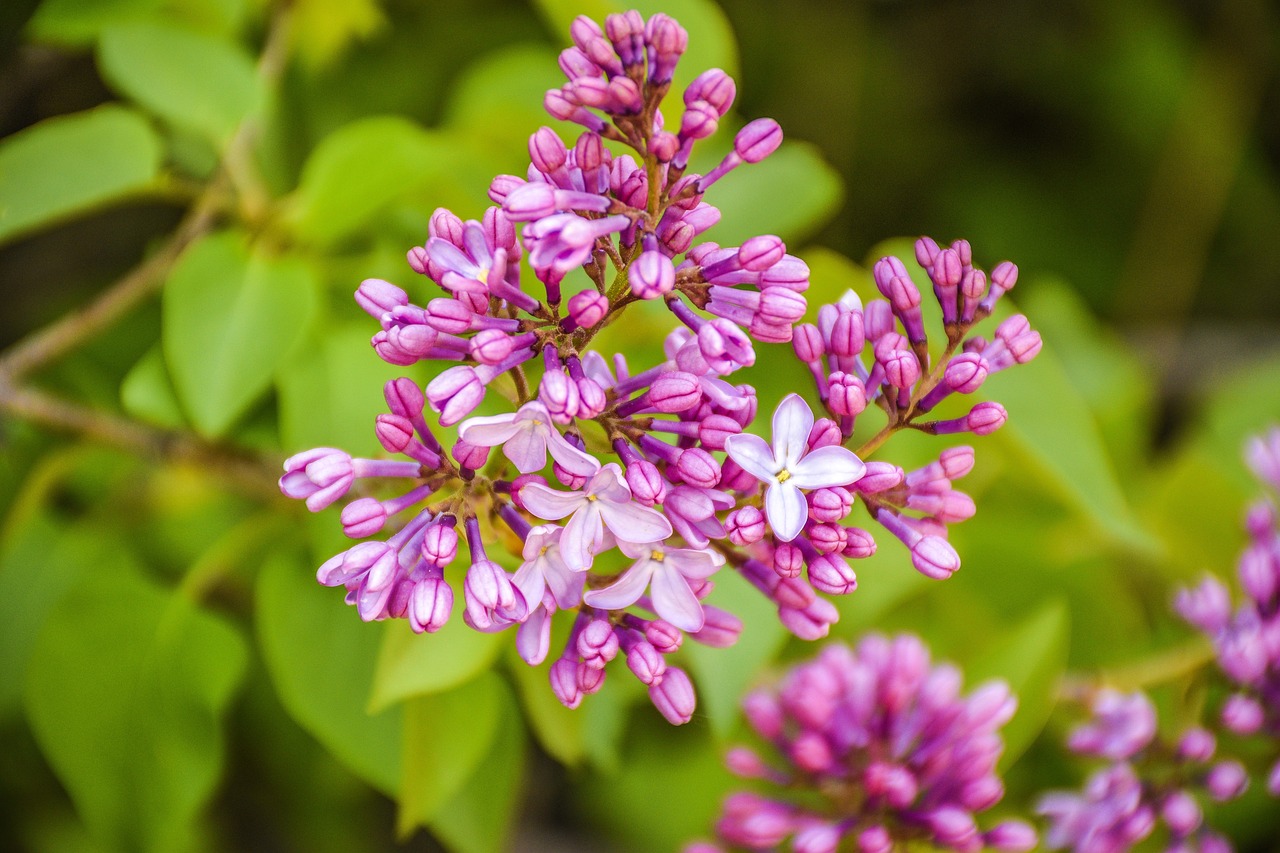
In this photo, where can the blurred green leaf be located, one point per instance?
(194, 80)
(497, 100)
(363, 167)
(322, 29)
(321, 658)
(559, 730)
(147, 394)
(411, 664)
(70, 164)
(1240, 406)
(127, 686)
(480, 817)
(78, 22)
(746, 197)
(722, 675)
(1030, 657)
(231, 318)
(446, 735)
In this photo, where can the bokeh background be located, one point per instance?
(1125, 154)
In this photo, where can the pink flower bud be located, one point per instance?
(788, 560)
(652, 275)
(859, 544)
(745, 526)
(675, 391)
(394, 432)
(674, 697)
(430, 605)
(985, 418)
(439, 544)
(846, 395)
(966, 373)
(934, 557)
(757, 140)
(363, 517)
(831, 574)
(491, 346)
(588, 308)
(697, 467)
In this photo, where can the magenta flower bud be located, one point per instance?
(597, 643)
(588, 308)
(952, 826)
(363, 517)
(1181, 812)
(675, 391)
(449, 316)
(1011, 836)
(745, 526)
(664, 145)
(824, 433)
(781, 305)
(491, 346)
(503, 185)
(520, 482)
(567, 478)
(559, 395)
(901, 367)
(320, 477)
(699, 121)
(859, 544)
(807, 342)
(890, 782)
(879, 477)
(1259, 571)
(394, 432)
(934, 557)
(732, 476)
(377, 297)
(1226, 780)
(1240, 713)
(830, 504)
(1207, 606)
(439, 544)
(788, 560)
(419, 260)
(404, 397)
(652, 275)
(759, 253)
(827, 538)
(713, 86)
(810, 752)
(845, 395)
(646, 484)
(985, 418)
(720, 630)
(831, 574)
(564, 682)
(547, 151)
(1196, 744)
(713, 430)
(757, 140)
(1273, 780)
(667, 41)
(697, 467)
(674, 697)
(455, 393)
(875, 839)
(966, 373)
(745, 762)
(646, 663)
(817, 838)
(626, 31)
(664, 636)
(471, 456)
(848, 334)
(430, 605)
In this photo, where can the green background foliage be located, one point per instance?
(171, 677)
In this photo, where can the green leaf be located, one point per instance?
(147, 394)
(125, 694)
(722, 675)
(747, 197)
(78, 22)
(497, 100)
(412, 664)
(479, 818)
(363, 167)
(446, 735)
(323, 29)
(320, 657)
(231, 317)
(1030, 658)
(196, 81)
(559, 730)
(74, 163)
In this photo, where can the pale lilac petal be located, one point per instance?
(571, 459)
(634, 521)
(695, 564)
(609, 484)
(791, 425)
(489, 431)
(581, 537)
(636, 550)
(527, 450)
(542, 536)
(533, 638)
(530, 579)
(785, 507)
(752, 454)
(674, 601)
(549, 503)
(565, 584)
(624, 591)
(827, 466)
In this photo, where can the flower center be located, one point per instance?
(592, 498)
(783, 475)
(657, 556)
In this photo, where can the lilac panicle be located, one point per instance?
(578, 453)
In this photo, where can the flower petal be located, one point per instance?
(674, 601)
(792, 422)
(530, 579)
(581, 537)
(571, 459)
(694, 563)
(625, 590)
(633, 521)
(533, 638)
(565, 584)
(609, 484)
(785, 507)
(827, 466)
(549, 503)
(489, 431)
(527, 450)
(753, 455)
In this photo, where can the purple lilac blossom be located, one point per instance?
(660, 462)
(875, 745)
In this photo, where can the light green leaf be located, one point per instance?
(412, 664)
(125, 694)
(363, 167)
(320, 657)
(70, 164)
(1030, 658)
(78, 22)
(446, 735)
(722, 675)
(323, 29)
(748, 196)
(497, 100)
(147, 394)
(231, 317)
(559, 730)
(193, 80)
(479, 818)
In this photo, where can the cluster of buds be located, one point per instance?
(655, 462)
(1147, 783)
(875, 745)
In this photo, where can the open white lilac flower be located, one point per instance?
(789, 466)
(527, 436)
(666, 572)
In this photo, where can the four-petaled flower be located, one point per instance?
(527, 436)
(786, 468)
(667, 571)
(544, 568)
(604, 500)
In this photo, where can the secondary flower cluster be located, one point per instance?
(603, 466)
(878, 746)
(1148, 782)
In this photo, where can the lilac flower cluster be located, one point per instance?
(688, 491)
(1147, 783)
(891, 749)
